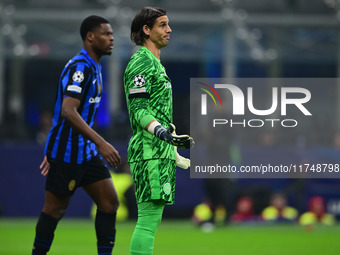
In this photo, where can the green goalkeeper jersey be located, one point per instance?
(149, 97)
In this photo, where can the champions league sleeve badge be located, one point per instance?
(78, 76)
(139, 80)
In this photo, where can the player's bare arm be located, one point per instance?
(69, 112)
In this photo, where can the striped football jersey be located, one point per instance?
(81, 79)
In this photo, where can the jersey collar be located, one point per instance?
(149, 53)
(83, 51)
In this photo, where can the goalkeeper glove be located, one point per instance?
(181, 162)
(180, 141)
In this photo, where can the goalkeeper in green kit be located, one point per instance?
(152, 151)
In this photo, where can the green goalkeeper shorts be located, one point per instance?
(154, 179)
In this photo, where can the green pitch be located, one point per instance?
(76, 236)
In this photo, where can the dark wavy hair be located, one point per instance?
(90, 24)
(145, 16)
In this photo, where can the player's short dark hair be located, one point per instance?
(145, 16)
(90, 24)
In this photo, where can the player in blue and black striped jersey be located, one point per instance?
(74, 152)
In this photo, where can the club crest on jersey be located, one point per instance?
(139, 80)
(72, 185)
(100, 89)
(167, 188)
(78, 76)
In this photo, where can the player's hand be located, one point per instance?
(44, 166)
(109, 153)
(180, 141)
(181, 161)
(168, 135)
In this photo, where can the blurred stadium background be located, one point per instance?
(211, 38)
